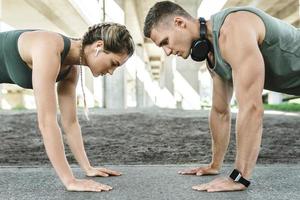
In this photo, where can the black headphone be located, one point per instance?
(201, 46)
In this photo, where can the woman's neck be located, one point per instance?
(73, 57)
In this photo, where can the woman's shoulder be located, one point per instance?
(42, 38)
(39, 42)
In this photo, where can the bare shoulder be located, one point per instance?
(37, 41)
(237, 23)
(241, 33)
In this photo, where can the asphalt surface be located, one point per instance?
(145, 182)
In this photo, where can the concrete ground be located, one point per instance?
(143, 182)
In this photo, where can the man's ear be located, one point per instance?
(179, 22)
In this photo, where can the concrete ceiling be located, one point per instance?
(53, 15)
(287, 10)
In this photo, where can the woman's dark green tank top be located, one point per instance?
(280, 50)
(12, 68)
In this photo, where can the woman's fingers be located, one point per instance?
(110, 172)
(87, 186)
(95, 172)
(102, 172)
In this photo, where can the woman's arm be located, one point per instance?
(45, 53)
(67, 103)
(45, 64)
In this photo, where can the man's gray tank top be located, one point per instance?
(280, 50)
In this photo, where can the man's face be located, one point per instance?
(173, 37)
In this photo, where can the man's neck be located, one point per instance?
(196, 33)
(209, 31)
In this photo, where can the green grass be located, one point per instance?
(289, 107)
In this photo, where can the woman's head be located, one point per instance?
(106, 46)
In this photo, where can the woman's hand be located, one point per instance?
(101, 172)
(84, 185)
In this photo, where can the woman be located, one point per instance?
(38, 59)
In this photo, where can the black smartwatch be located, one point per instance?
(236, 176)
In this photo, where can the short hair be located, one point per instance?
(160, 11)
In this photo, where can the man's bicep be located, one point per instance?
(246, 60)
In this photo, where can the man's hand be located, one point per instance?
(221, 184)
(101, 172)
(200, 171)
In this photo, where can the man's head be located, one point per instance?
(169, 26)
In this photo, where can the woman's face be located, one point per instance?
(102, 62)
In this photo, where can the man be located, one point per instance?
(246, 51)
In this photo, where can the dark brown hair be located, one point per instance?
(162, 10)
(116, 37)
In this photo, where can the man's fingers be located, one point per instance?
(97, 189)
(199, 171)
(212, 189)
(105, 187)
(189, 171)
(201, 187)
(221, 184)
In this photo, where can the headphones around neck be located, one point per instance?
(201, 46)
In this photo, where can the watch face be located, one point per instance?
(235, 175)
(238, 177)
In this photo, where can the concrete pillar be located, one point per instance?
(149, 99)
(145, 94)
(99, 91)
(0, 31)
(89, 82)
(114, 86)
(148, 102)
(186, 83)
(166, 75)
(133, 25)
(140, 93)
(274, 98)
(115, 90)
(1, 96)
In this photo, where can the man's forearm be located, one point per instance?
(55, 150)
(248, 139)
(220, 132)
(74, 137)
